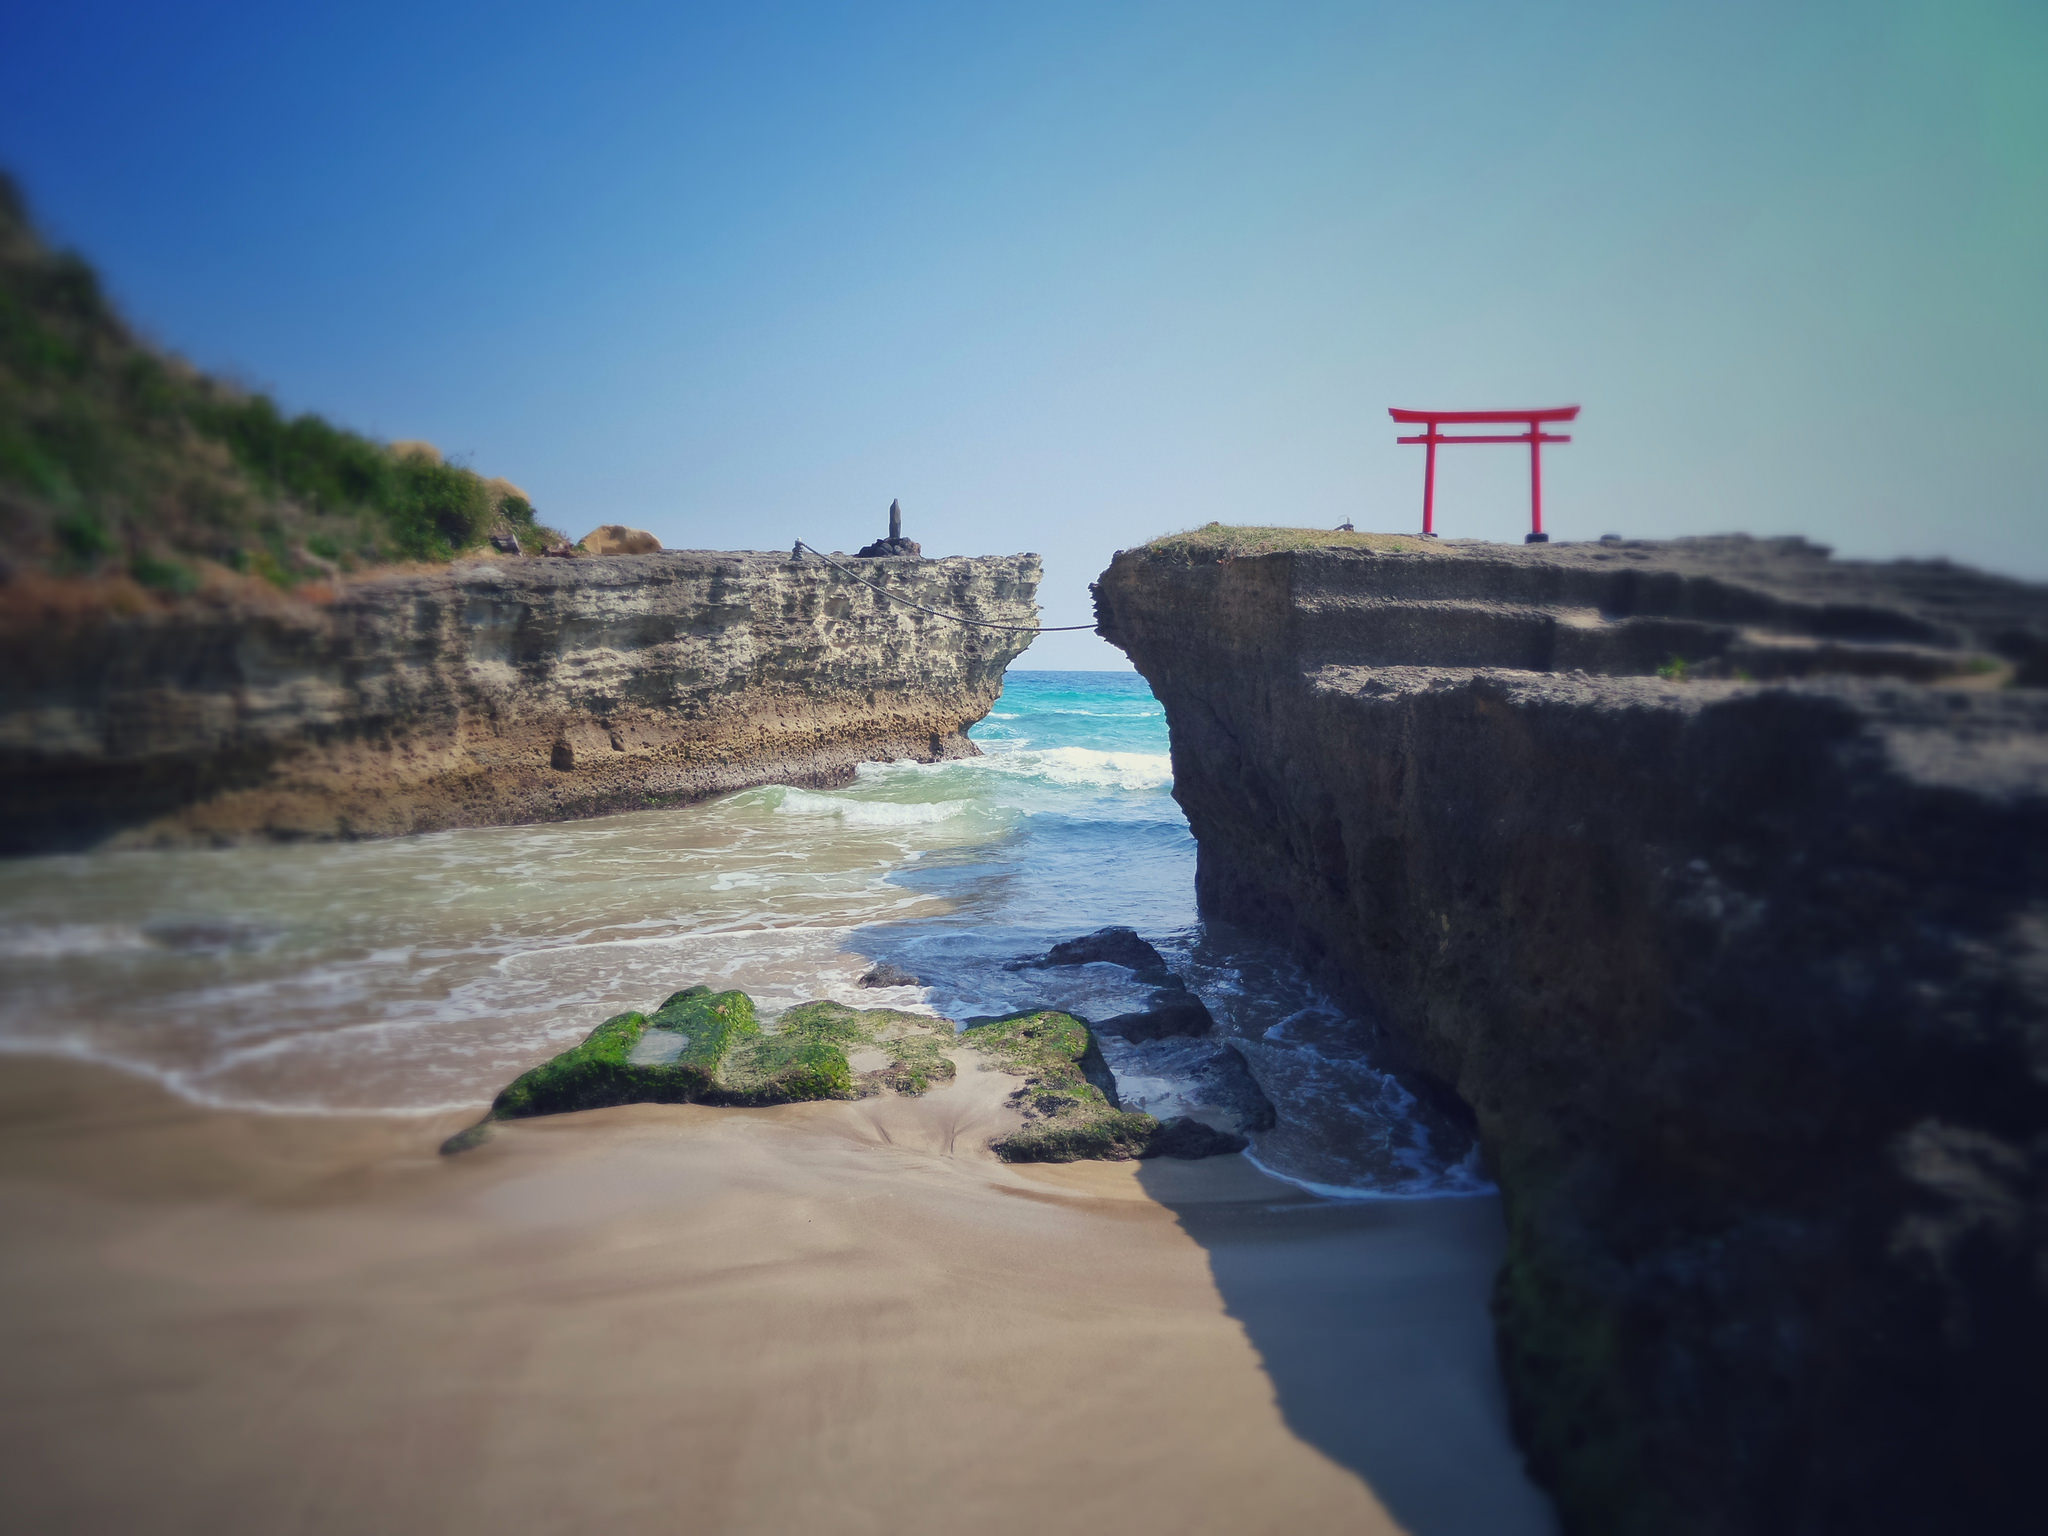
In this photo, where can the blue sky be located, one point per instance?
(1065, 277)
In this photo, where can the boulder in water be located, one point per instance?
(1185, 1136)
(1172, 1013)
(886, 975)
(1110, 946)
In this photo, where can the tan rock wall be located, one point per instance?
(492, 692)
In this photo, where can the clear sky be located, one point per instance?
(1063, 277)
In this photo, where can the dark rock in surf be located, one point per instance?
(1226, 1083)
(1171, 1013)
(1105, 946)
(1186, 1137)
(885, 975)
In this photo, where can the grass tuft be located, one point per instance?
(1214, 541)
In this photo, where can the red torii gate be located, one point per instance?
(1535, 437)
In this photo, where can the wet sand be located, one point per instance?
(829, 1317)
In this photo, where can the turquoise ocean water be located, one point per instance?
(424, 972)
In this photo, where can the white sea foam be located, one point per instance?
(870, 813)
(69, 941)
(1085, 768)
(1459, 1181)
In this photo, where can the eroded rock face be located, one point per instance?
(489, 692)
(1745, 978)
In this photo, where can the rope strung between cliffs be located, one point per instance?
(958, 618)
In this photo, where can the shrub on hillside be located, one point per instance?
(113, 456)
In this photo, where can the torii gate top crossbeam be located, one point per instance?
(1463, 418)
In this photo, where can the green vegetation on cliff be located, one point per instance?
(1213, 541)
(116, 459)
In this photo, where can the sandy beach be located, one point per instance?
(829, 1317)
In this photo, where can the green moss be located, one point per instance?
(916, 1062)
(710, 1022)
(915, 1045)
(1067, 1095)
(82, 539)
(586, 1076)
(466, 1138)
(785, 1069)
(599, 1071)
(833, 1023)
(163, 575)
(717, 1053)
(1116, 1136)
(1562, 1354)
(1041, 1044)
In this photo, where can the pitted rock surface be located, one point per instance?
(1742, 970)
(489, 692)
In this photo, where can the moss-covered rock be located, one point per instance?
(705, 1047)
(693, 1033)
(913, 1045)
(1068, 1097)
(785, 1069)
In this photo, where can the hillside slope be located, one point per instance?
(117, 460)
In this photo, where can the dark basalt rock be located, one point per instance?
(885, 975)
(1713, 877)
(882, 549)
(1110, 946)
(1227, 1083)
(1171, 1013)
(1184, 1136)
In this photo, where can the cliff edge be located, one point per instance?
(484, 692)
(1712, 876)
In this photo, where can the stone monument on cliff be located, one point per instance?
(895, 544)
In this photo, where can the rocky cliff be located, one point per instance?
(485, 692)
(1712, 877)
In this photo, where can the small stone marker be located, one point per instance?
(895, 544)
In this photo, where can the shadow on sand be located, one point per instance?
(1371, 1319)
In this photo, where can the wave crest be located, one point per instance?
(1086, 768)
(869, 813)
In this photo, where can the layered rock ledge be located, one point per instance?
(1712, 876)
(488, 692)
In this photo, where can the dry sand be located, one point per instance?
(822, 1318)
